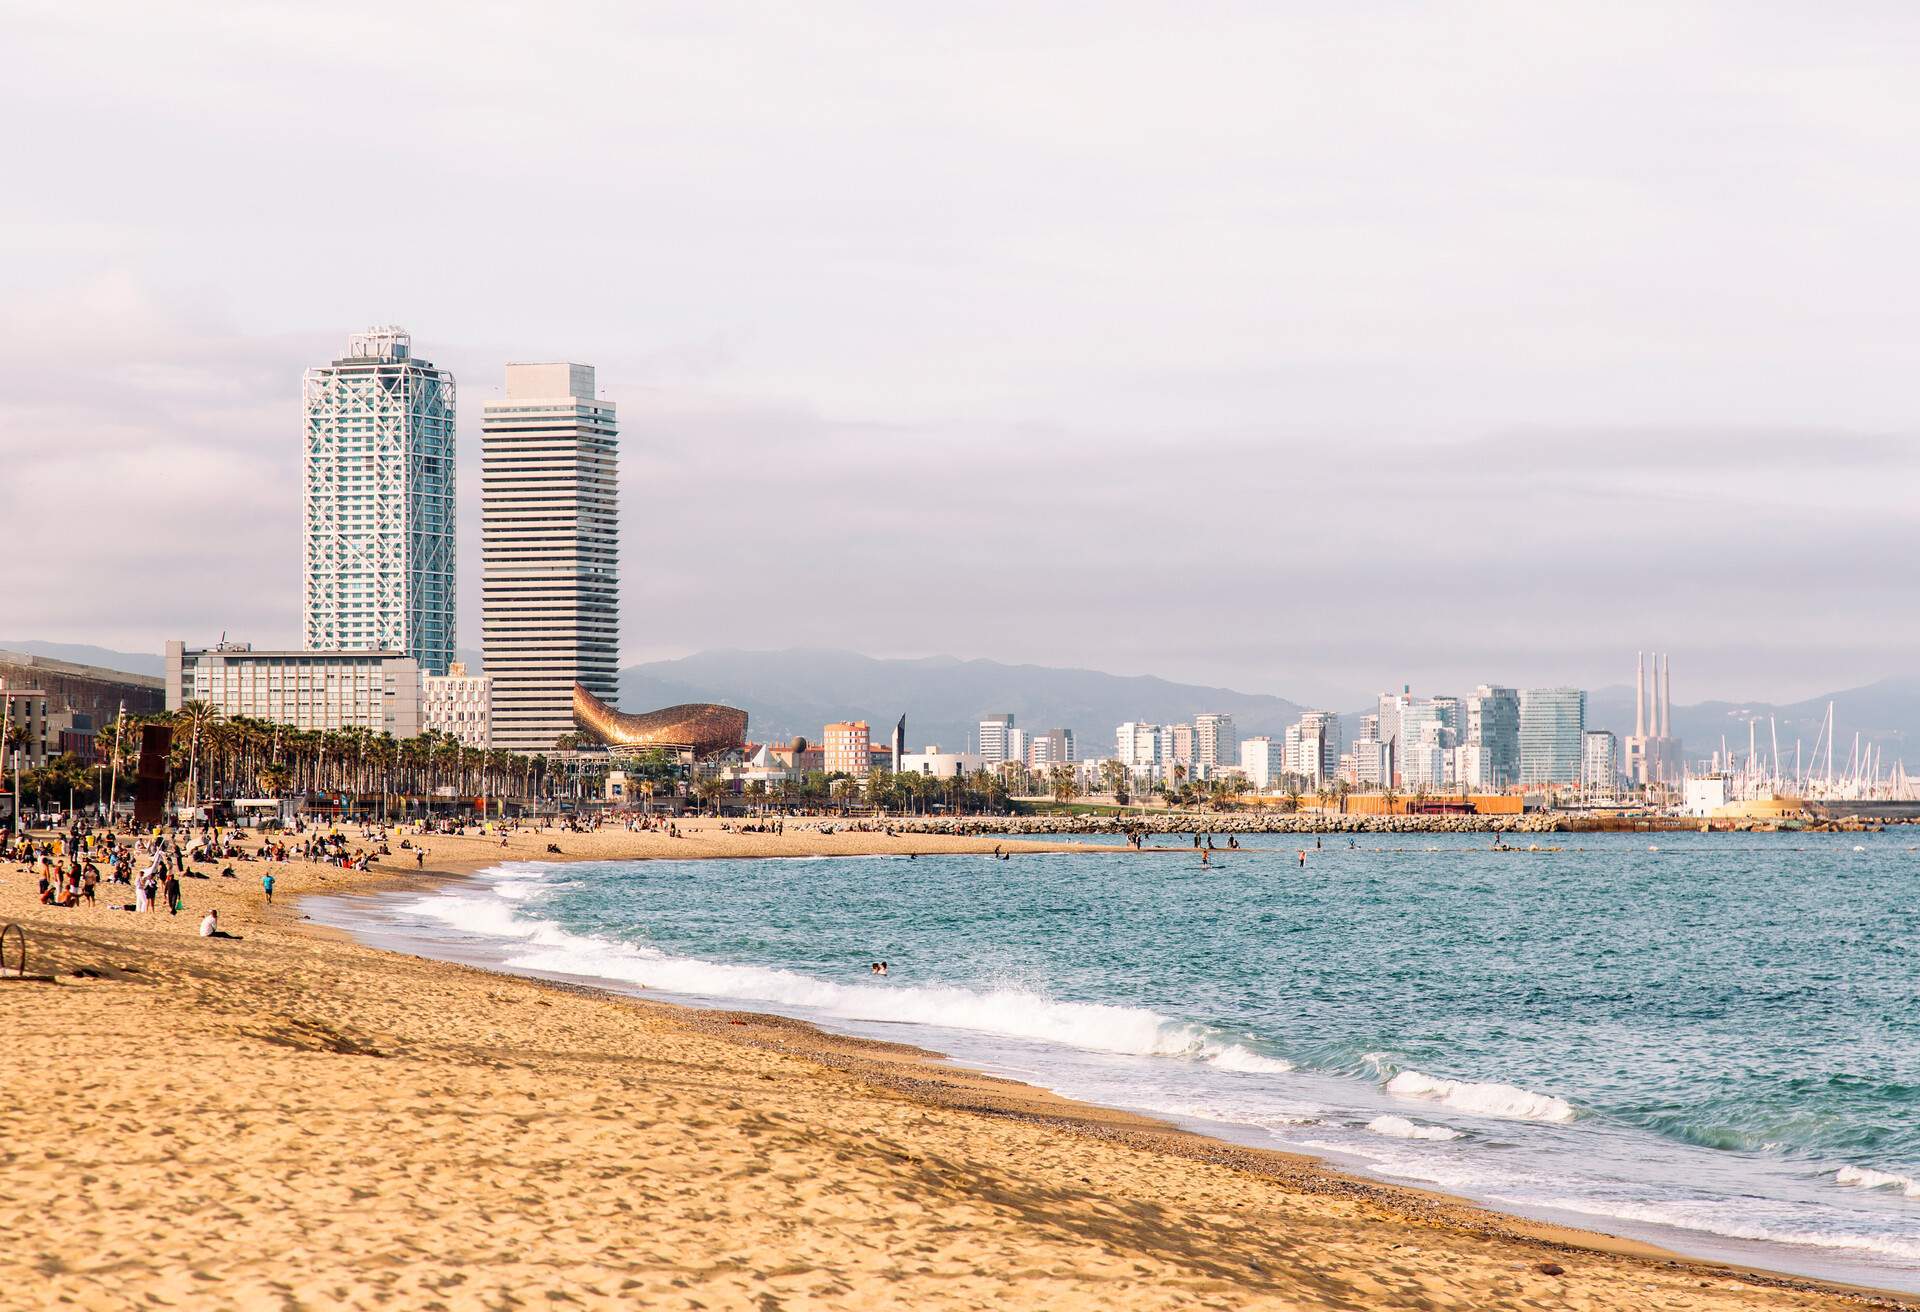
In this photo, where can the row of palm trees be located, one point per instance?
(215, 756)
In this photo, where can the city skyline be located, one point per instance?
(1626, 378)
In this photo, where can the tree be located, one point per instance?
(196, 717)
(1061, 782)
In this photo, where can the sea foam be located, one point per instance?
(500, 913)
(1399, 1127)
(1865, 1177)
(1503, 1100)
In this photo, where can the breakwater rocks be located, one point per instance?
(1185, 822)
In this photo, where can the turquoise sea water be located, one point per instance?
(1715, 1044)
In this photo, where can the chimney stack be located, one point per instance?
(1666, 697)
(1640, 694)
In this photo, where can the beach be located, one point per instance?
(289, 1119)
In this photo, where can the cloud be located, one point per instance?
(1312, 348)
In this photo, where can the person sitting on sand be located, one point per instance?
(210, 924)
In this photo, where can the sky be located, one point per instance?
(1300, 348)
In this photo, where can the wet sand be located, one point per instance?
(292, 1120)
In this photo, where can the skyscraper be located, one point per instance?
(1493, 730)
(550, 550)
(379, 502)
(1553, 725)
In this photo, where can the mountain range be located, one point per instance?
(794, 692)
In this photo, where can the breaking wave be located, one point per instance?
(1018, 1013)
(1503, 1100)
(1399, 1127)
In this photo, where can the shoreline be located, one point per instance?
(1448, 1231)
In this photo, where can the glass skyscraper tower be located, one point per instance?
(379, 502)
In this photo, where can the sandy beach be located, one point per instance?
(288, 1119)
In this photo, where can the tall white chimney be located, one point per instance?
(1640, 694)
(1666, 697)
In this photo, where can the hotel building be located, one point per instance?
(550, 551)
(378, 691)
(378, 479)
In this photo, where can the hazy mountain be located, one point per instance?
(129, 662)
(788, 693)
(796, 692)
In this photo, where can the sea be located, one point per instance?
(1708, 1041)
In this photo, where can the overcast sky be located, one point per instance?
(1304, 348)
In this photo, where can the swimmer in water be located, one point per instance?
(1303, 858)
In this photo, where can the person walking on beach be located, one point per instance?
(266, 883)
(173, 895)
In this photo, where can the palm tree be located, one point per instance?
(1062, 783)
(196, 717)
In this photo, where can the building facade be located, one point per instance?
(1312, 748)
(1137, 746)
(378, 478)
(1215, 742)
(995, 731)
(549, 550)
(1600, 766)
(937, 764)
(1493, 731)
(1553, 726)
(848, 748)
(98, 692)
(1262, 760)
(1050, 748)
(378, 691)
(1371, 763)
(24, 720)
(459, 705)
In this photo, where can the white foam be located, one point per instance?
(1008, 1012)
(1502, 1100)
(1233, 1057)
(1865, 1177)
(1722, 1217)
(1399, 1127)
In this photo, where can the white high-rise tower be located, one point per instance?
(550, 551)
(379, 502)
